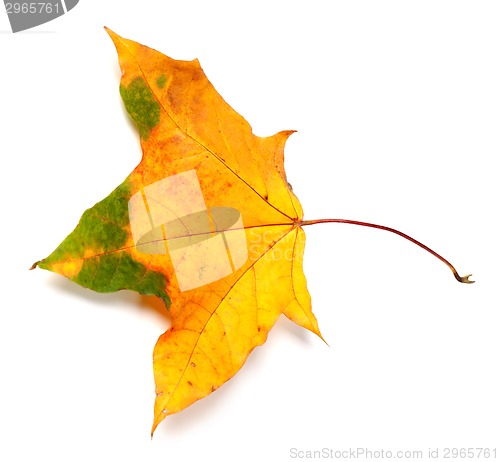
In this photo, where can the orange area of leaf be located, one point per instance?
(216, 326)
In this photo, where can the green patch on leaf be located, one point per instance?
(117, 271)
(104, 229)
(141, 105)
(161, 81)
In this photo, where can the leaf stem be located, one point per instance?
(464, 279)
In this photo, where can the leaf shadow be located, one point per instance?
(123, 299)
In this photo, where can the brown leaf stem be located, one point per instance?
(464, 279)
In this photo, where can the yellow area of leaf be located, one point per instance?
(216, 326)
(71, 267)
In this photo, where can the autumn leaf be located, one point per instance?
(207, 221)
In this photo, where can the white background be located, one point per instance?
(397, 107)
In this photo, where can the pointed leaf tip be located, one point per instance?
(114, 36)
(109, 31)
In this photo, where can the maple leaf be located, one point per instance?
(207, 221)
